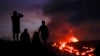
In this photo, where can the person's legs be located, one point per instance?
(44, 42)
(17, 35)
(14, 36)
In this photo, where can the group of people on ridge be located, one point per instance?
(25, 37)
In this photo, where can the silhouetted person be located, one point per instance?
(36, 44)
(16, 24)
(36, 40)
(44, 32)
(25, 38)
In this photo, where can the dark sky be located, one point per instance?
(83, 16)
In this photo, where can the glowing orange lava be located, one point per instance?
(73, 39)
(70, 49)
(64, 46)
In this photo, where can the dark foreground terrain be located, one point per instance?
(16, 48)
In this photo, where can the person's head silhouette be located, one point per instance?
(14, 12)
(25, 30)
(43, 22)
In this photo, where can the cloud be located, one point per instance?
(74, 15)
(72, 9)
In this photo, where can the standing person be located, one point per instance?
(44, 32)
(16, 24)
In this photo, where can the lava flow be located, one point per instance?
(64, 46)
